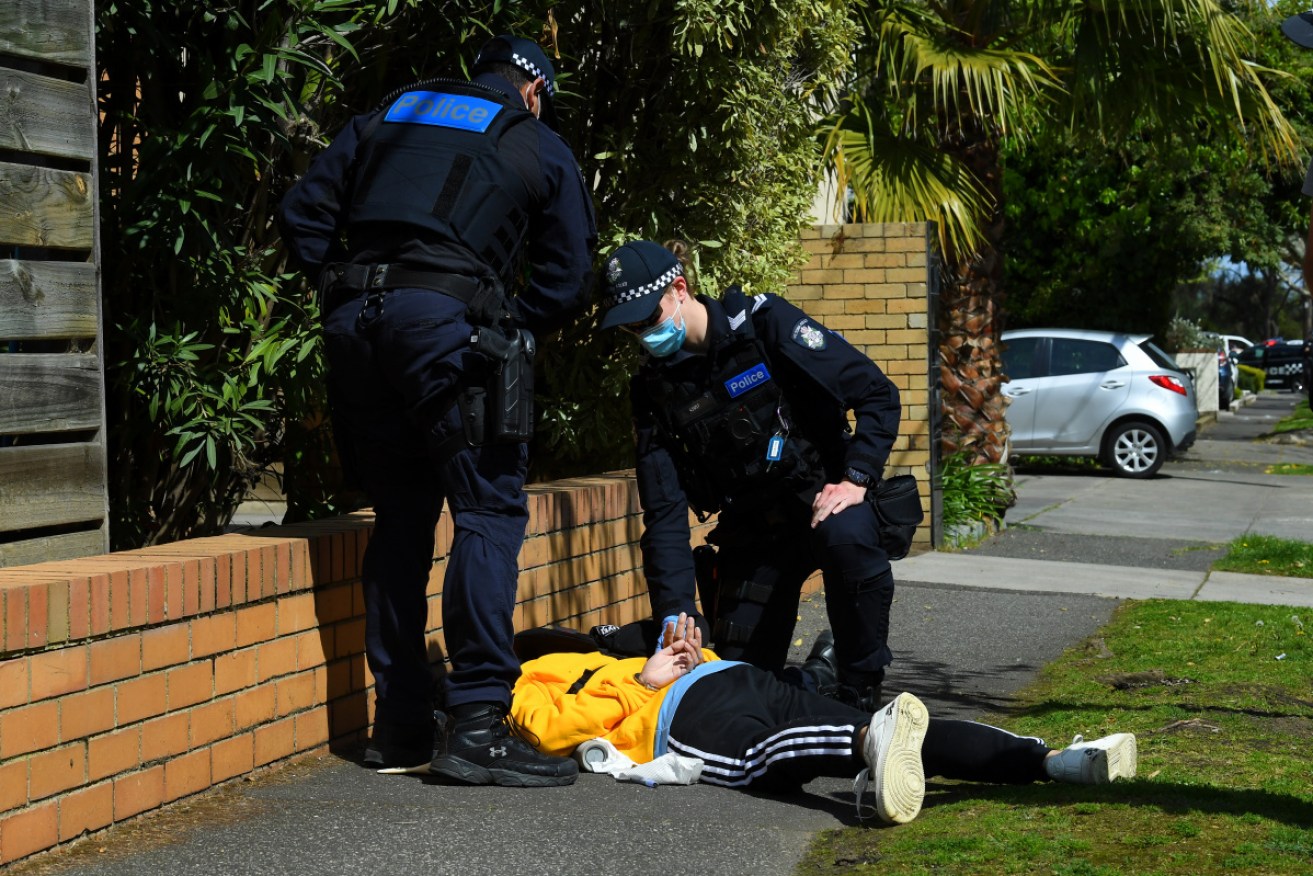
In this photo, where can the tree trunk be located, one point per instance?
(971, 368)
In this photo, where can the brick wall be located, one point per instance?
(134, 679)
(869, 282)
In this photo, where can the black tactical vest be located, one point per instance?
(732, 437)
(452, 158)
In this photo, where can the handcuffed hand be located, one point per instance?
(681, 652)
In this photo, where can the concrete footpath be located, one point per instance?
(968, 630)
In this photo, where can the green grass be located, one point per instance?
(1267, 555)
(1224, 728)
(1300, 418)
(1289, 468)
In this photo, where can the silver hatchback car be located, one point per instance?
(1112, 396)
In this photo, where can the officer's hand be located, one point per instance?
(834, 498)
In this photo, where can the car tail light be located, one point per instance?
(1166, 381)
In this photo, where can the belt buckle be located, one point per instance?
(378, 275)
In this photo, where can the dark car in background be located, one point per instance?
(1281, 361)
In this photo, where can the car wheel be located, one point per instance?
(1135, 450)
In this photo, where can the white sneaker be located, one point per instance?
(892, 752)
(1095, 763)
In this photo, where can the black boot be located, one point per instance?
(820, 663)
(485, 747)
(861, 690)
(405, 747)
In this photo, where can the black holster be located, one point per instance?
(508, 395)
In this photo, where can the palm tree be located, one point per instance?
(941, 84)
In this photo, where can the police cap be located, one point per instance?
(1299, 29)
(636, 276)
(529, 57)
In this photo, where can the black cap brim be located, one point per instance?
(1299, 29)
(632, 311)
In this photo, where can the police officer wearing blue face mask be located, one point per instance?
(416, 222)
(741, 408)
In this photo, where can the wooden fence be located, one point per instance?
(53, 499)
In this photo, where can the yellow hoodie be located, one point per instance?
(609, 703)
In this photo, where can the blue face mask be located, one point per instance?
(665, 338)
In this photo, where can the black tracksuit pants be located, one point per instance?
(753, 731)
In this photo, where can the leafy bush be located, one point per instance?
(974, 493)
(1250, 378)
(1183, 334)
(691, 119)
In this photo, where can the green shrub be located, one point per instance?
(1250, 378)
(974, 493)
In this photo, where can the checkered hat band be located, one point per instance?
(659, 283)
(531, 68)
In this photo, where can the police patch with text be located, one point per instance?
(443, 110)
(808, 334)
(750, 379)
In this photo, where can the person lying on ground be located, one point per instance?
(757, 733)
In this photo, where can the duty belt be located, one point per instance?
(370, 278)
(484, 300)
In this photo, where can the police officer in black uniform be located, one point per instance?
(416, 222)
(741, 408)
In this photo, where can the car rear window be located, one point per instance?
(1161, 359)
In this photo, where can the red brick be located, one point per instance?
(274, 741)
(169, 645)
(276, 658)
(27, 832)
(301, 577)
(120, 593)
(58, 672)
(256, 624)
(191, 587)
(283, 566)
(311, 650)
(13, 784)
(232, 757)
(223, 585)
(349, 715)
(165, 737)
(113, 753)
(213, 721)
(173, 586)
(30, 728)
(100, 604)
(213, 634)
(13, 681)
(138, 792)
(138, 598)
(311, 729)
(37, 615)
(187, 775)
(84, 811)
(57, 612)
(115, 658)
(79, 608)
(84, 714)
(234, 671)
(333, 604)
(156, 595)
(141, 698)
(191, 684)
(57, 770)
(296, 613)
(297, 692)
(349, 638)
(255, 706)
(15, 617)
